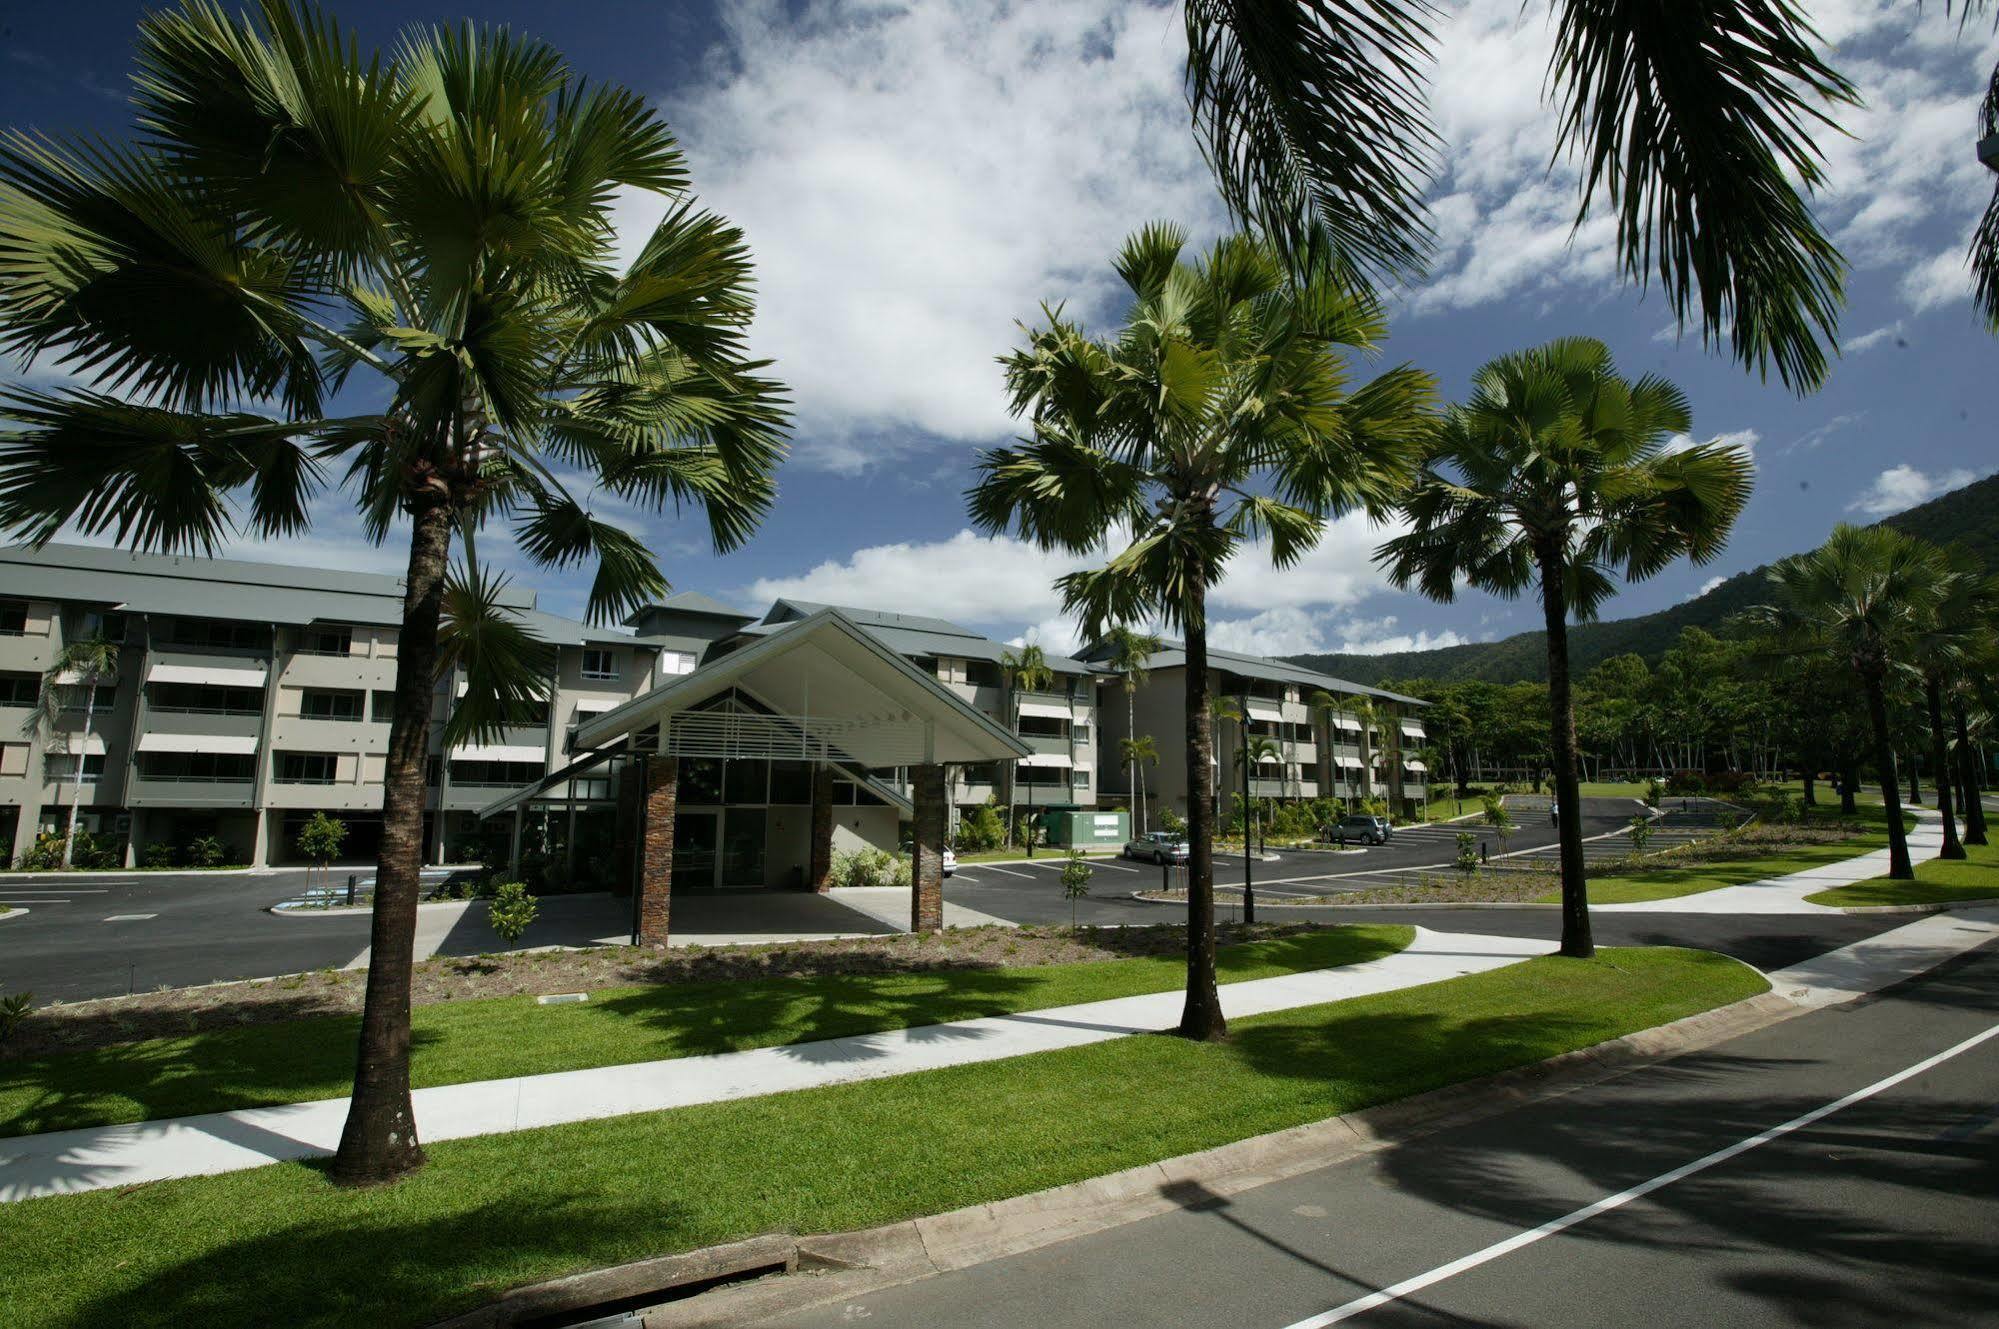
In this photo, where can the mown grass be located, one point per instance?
(307, 1059)
(1668, 881)
(496, 1212)
(1938, 881)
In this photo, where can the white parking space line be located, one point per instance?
(130, 918)
(1609, 1202)
(988, 867)
(1114, 867)
(12, 894)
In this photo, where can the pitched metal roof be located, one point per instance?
(913, 634)
(1174, 655)
(689, 602)
(186, 585)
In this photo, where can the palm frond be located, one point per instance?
(508, 670)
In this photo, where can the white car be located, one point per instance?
(1157, 847)
(950, 862)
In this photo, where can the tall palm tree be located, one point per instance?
(1367, 715)
(1220, 413)
(293, 214)
(1025, 670)
(1694, 122)
(1862, 598)
(1130, 651)
(1139, 753)
(1556, 474)
(1946, 648)
(83, 663)
(1325, 706)
(1252, 752)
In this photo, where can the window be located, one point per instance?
(982, 772)
(494, 774)
(203, 767)
(1081, 733)
(791, 782)
(1043, 726)
(79, 697)
(13, 618)
(328, 639)
(673, 662)
(202, 699)
(306, 767)
(746, 781)
(20, 689)
(982, 673)
(96, 623)
(1082, 779)
(600, 664)
(211, 633)
(330, 704)
(62, 766)
(382, 707)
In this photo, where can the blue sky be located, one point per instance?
(914, 179)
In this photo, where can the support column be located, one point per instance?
(819, 868)
(514, 828)
(927, 852)
(656, 868)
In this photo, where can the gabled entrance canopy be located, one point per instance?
(820, 689)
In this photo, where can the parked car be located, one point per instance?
(1157, 847)
(950, 861)
(1365, 829)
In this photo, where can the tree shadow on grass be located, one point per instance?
(383, 1258)
(260, 1066)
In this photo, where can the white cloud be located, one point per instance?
(1881, 336)
(1904, 486)
(1706, 586)
(914, 179)
(1382, 635)
(1746, 439)
(1939, 280)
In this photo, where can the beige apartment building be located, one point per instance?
(1319, 752)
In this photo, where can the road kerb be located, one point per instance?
(846, 1265)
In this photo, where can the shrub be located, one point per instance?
(1172, 822)
(158, 854)
(13, 1010)
(981, 829)
(207, 851)
(1641, 833)
(1467, 856)
(97, 851)
(511, 911)
(870, 867)
(1655, 789)
(321, 837)
(1075, 881)
(45, 855)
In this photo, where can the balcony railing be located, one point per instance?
(203, 710)
(193, 779)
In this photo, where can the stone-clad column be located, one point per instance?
(656, 871)
(819, 871)
(927, 853)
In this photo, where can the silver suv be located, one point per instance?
(1157, 847)
(1366, 829)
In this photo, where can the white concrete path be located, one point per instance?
(1786, 894)
(890, 905)
(1885, 958)
(100, 1157)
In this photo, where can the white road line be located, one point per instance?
(130, 918)
(988, 867)
(1609, 1202)
(1115, 867)
(12, 894)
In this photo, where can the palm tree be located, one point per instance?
(1130, 650)
(1219, 414)
(83, 663)
(1558, 473)
(1025, 670)
(1694, 122)
(1363, 710)
(1326, 706)
(1862, 598)
(1251, 753)
(1139, 753)
(292, 215)
(1946, 647)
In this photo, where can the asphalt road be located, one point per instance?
(157, 929)
(1883, 1212)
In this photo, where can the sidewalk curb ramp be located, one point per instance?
(728, 1285)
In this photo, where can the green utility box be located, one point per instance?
(1085, 828)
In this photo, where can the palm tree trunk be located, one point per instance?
(1891, 789)
(379, 1141)
(76, 784)
(1576, 939)
(1967, 760)
(1849, 785)
(1939, 759)
(1131, 760)
(1202, 1017)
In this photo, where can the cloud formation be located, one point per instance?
(1902, 487)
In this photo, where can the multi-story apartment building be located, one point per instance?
(1314, 750)
(250, 695)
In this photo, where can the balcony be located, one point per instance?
(203, 723)
(190, 791)
(1059, 745)
(1045, 795)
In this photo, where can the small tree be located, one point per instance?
(1641, 833)
(84, 663)
(321, 839)
(511, 911)
(1076, 874)
(1467, 859)
(1497, 817)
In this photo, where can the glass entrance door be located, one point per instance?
(694, 856)
(743, 847)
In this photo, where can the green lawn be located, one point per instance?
(492, 1213)
(1612, 788)
(490, 1039)
(1665, 883)
(1975, 877)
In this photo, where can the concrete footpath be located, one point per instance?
(1786, 894)
(96, 1158)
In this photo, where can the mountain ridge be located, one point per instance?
(1967, 516)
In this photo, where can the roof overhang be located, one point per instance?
(844, 693)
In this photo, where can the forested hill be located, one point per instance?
(1968, 516)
